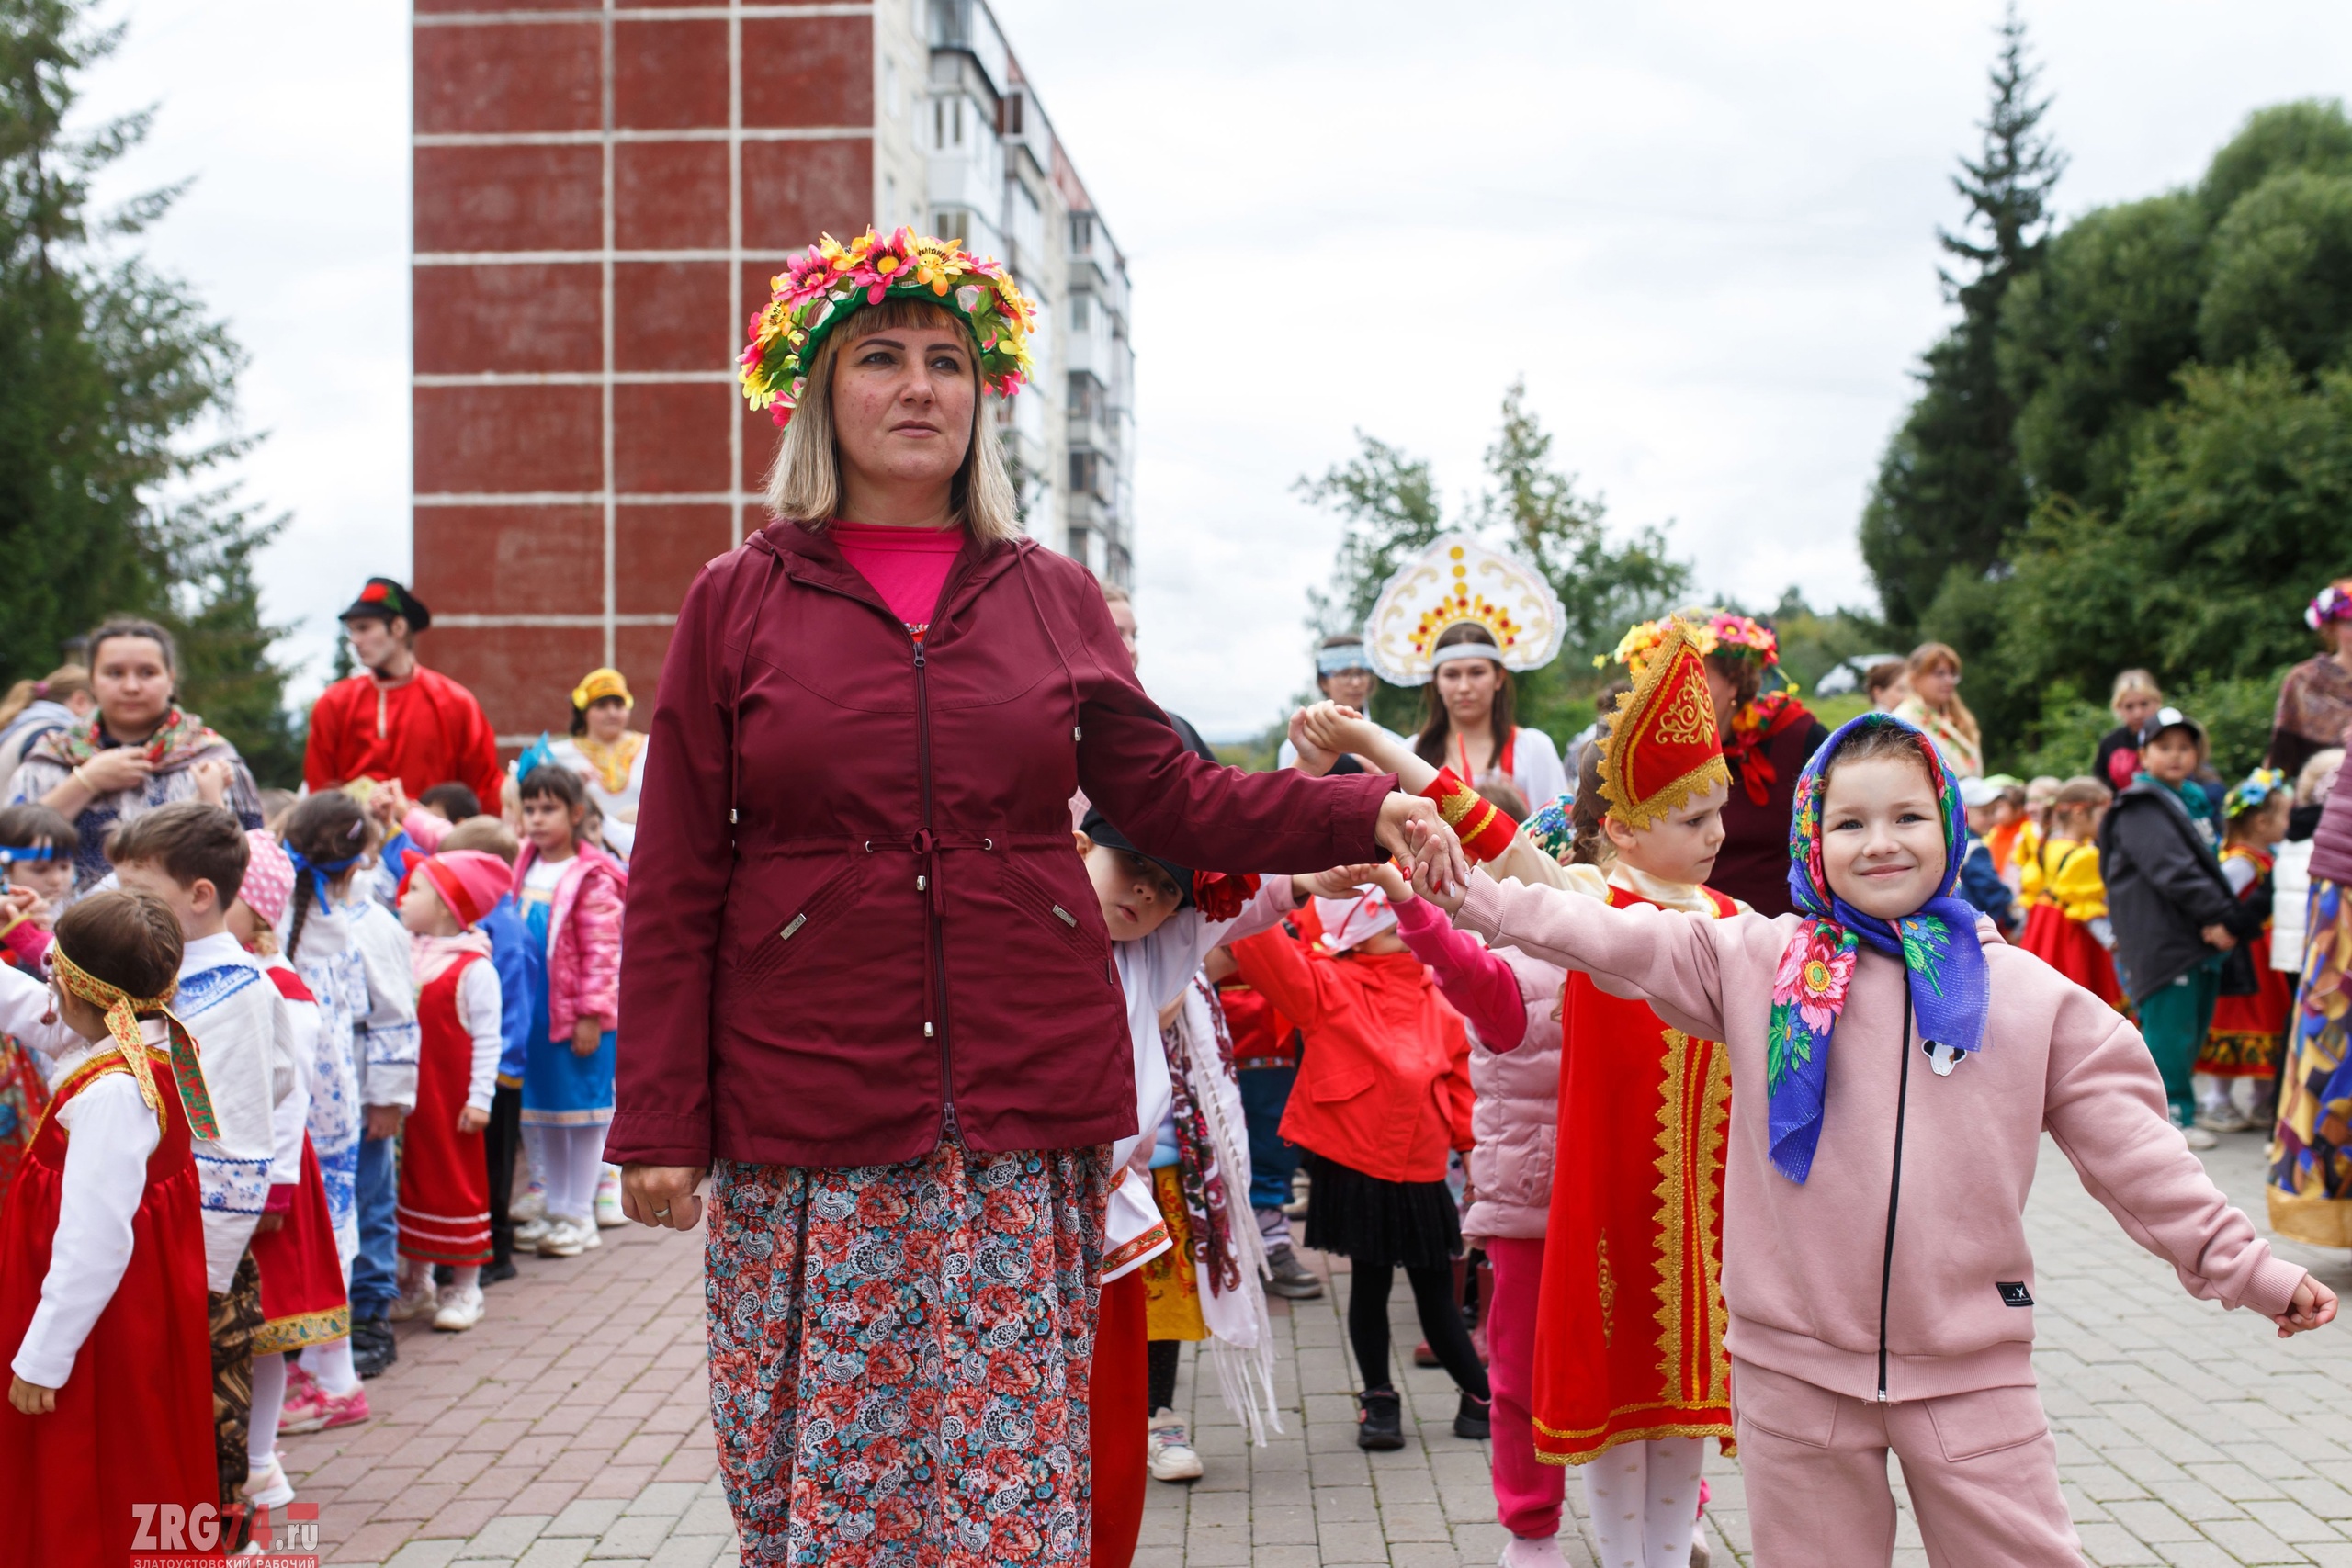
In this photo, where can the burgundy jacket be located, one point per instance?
(855, 918)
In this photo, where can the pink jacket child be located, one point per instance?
(1507, 997)
(1868, 1311)
(583, 938)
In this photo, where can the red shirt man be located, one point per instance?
(399, 720)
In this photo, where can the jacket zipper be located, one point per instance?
(936, 959)
(1894, 1190)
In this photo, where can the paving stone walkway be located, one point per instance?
(573, 1427)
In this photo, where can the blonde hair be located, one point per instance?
(2317, 776)
(805, 484)
(2134, 681)
(65, 681)
(1930, 656)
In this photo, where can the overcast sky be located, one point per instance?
(1703, 233)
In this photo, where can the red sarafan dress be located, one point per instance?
(1631, 1338)
(445, 1174)
(2064, 893)
(302, 1298)
(2244, 1041)
(133, 1424)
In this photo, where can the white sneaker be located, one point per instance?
(460, 1310)
(2199, 1138)
(1173, 1458)
(1532, 1551)
(2224, 1118)
(530, 1233)
(564, 1239)
(417, 1299)
(608, 1198)
(529, 1205)
(270, 1489)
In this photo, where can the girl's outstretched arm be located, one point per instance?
(1669, 957)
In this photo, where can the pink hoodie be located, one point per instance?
(1837, 1282)
(583, 938)
(1507, 997)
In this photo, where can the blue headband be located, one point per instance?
(1341, 656)
(10, 853)
(321, 870)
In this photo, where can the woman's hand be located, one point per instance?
(30, 1398)
(384, 1122)
(1312, 759)
(118, 767)
(1449, 898)
(1413, 830)
(662, 1196)
(211, 782)
(472, 1119)
(2313, 1306)
(586, 1035)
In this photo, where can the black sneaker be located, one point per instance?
(1380, 1421)
(498, 1270)
(372, 1348)
(1289, 1278)
(1475, 1419)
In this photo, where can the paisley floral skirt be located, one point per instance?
(899, 1355)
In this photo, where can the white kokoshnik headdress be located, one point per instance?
(1461, 579)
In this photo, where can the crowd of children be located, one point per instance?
(296, 1062)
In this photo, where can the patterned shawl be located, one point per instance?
(180, 741)
(1936, 945)
(2315, 700)
(1198, 1176)
(1752, 726)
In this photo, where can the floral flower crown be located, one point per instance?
(830, 282)
(2253, 790)
(1707, 632)
(2334, 604)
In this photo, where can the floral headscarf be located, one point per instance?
(1938, 945)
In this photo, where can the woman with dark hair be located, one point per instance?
(2315, 700)
(867, 979)
(1469, 720)
(139, 752)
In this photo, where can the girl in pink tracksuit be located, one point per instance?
(1868, 1313)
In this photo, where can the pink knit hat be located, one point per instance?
(470, 881)
(269, 876)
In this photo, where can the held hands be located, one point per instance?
(30, 1398)
(388, 803)
(1312, 759)
(1340, 881)
(2313, 1307)
(472, 1119)
(211, 782)
(1449, 898)
(1411, 829)
(662, 1196)
(1334, 727)
(586, 1035)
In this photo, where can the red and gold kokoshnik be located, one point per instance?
(1662, 747)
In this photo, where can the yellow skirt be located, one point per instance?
(1171, 1287)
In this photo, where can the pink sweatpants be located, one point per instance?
(1527, 1494)
(1981, 1468)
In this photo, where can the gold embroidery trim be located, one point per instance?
(1608, 1295)
(1693, 1113)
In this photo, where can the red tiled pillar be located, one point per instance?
(602, 192)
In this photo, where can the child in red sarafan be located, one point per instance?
(102, 1275)
(444, 1175)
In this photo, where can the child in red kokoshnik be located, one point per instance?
(1857, 1321)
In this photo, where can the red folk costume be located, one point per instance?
(424, 729)
(2064, 893)
(1632, 1311)
(302, 1297)
(2244, 1041)
(445, 1174)
(133, 1422)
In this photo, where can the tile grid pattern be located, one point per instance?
(574, 1427)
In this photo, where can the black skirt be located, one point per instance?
(1404, 1224)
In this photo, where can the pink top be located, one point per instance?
(907, 566)
(1481, 986)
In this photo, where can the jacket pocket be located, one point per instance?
(800, 929)
(1343, 1082)
(1040, 906)
(1987, 1420)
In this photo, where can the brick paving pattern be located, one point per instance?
(573, 1427)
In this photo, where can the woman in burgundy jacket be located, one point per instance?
(867, 982)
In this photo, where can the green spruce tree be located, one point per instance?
(1949, 493)
(109, 371)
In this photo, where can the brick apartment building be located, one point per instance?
(602, 190)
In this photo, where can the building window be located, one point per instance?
(939, 122)
(1087, 474)
(1009, 113)
(890, 87)
(1082, 230)
(1081, 312)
